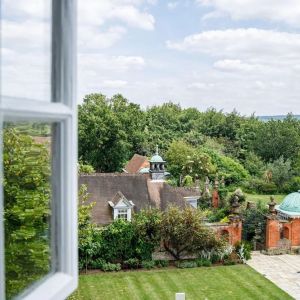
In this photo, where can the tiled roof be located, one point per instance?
(136, 163)
(140, 189)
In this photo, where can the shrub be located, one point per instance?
(97, 263)
(146, 225)
(109, 267)
(162, 263)
(202, 262)
(179, 239)
(132, 263)
(256, 185)
(292, 186)
(217, 215)
(232, 170)
(117, 241)
(229, 262)
(186, 264)
(243, 250)
(148, 264)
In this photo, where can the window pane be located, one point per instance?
(25, 49)
(27, 203)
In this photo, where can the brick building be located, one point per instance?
(283, 225)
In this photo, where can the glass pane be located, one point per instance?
(25, 49)
(27, 203)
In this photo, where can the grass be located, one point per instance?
(224, 282)
(264, 198)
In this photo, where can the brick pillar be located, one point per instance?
(236, 232)
(272, 233)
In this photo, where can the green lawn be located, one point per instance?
(264, 198)
(224, 282)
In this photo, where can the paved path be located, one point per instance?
(280, 269)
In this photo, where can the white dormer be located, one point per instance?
(122, 208)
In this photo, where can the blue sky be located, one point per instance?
(228, 54)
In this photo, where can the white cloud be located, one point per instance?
(244, 49)
(91, 38)
(233, 65)
(95, 13)
(113, 84)
(248, 69)
(172, 5)
(287, 11)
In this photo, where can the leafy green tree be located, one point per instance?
(254, 165)
(275, 139)
(280, 171)
(184, 159)
(183, 232)
(229, 168)
(109, 131)
(27, 210)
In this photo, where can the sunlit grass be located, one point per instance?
(224, 282)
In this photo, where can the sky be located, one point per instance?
(227, 54)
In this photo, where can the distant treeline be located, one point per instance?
(262, 156)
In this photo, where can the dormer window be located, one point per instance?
(122, 213)
(122, 208)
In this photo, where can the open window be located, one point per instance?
(38, 199)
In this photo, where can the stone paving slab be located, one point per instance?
(282, 270)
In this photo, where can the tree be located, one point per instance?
(183, 232)
(109, 131)
(184, 159)
(27, 210)
(280, 171)
(275, 139)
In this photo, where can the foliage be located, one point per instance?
(276, 139)
(97, 263)
(253, 219)
(203, 262)
(146, 225)
(185, 160)
(161, 263)
(109, 267)
(87, 241)
(194, 143)
(280, 171)
(253, 164)
(217, 215)
(188, 181)
(85, 168)
(131, 263)
(177, 236)
(232, 171)
(148, 264)
(184, 264)
(117, 241)
(27, 195)
(257, 185)
(243, 251)
(109, 131)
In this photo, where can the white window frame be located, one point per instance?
(122, 212)
(63, 280)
